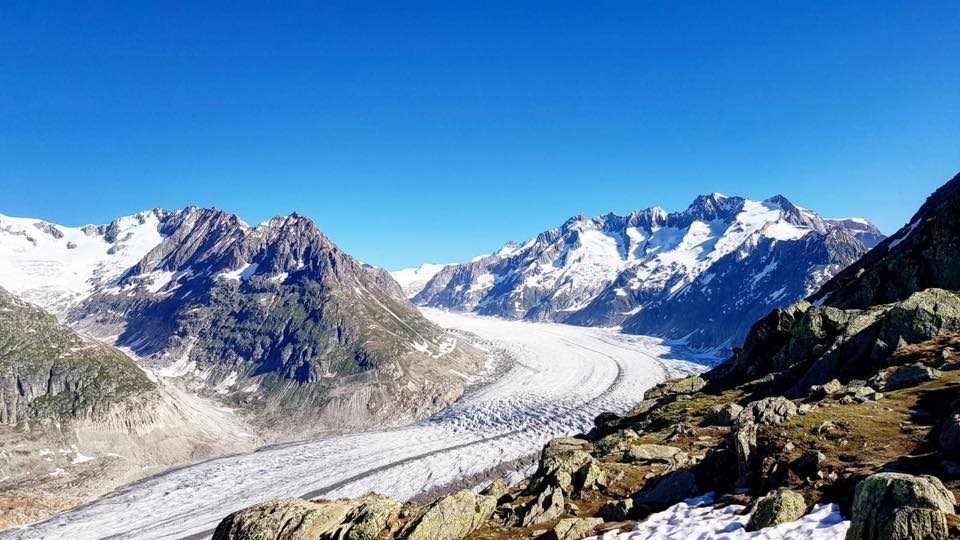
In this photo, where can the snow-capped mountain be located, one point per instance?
(412, 280)
(702, 273)
(274, 318)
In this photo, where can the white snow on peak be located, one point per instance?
(413, 280)
(55, 266)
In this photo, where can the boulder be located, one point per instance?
(615, 442)
(950, 432)
(646, 453)
(620, 510)
(564, 463)
(744, 439)
(776, 508)
(298, 519)
(547, 507)
(449, 518)
(820, 391)
(722, 415)
(669, 489)
(686, 385)
(808, 464)
(896, 506)
(575, 528)
(910, 375)
(498, 488)
(767, 411)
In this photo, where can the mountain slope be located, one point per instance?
(274, 318)
(660, 273)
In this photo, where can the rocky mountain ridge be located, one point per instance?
(274, 319)
(659, 273)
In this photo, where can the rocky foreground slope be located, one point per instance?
(274, 320)
(701, 274)
(851, 399)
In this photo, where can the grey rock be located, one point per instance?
(547, 507)
(896, 506)
(910, 375)
(668, 489)
(646, 453)
(450, 518)
(808, 464)
(768, 411)
(776, 508)
(820, 391)
(575, 528)
(722, 415)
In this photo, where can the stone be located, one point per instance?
(547, 507)
(686, 385)
(298, 519)
(910, 375)
(646, 453)
(615, 442)
(561, 463)
(897, 506)
(722, 415)
(767, 411)
(450, 518)
(575, 528)
(950, 432)
(669, 489)
(619, 510)
(950, 366)
(745, 447)
(820, 391)
(808, 464)
(776, 508)
(497, 489)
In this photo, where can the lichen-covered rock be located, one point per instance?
(896, 506)
(547, 507)
(575, 528)
(450, 518)
(564, 463)
(670, 488)
(615, 442)
(744, 442)
(686, 385)
(298, 519)
(776, 508)
(767, 411)
(646, 453)
(498, 488)
(820, 391)
(910, 375)
(722, 415)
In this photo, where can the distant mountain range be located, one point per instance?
(274, 319)
(700, 274)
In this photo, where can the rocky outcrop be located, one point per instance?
(575, 528)
(49, 371)
(450, 518)
(895, 506)
(297, 519)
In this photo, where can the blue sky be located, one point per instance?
(435, 131)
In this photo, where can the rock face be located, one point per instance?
(700, 273)
(894, 506)
(297, 519)
(451, 517)
(48, 371)
(275, 318)
(779, 507)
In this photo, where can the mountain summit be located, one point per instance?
(695, 274)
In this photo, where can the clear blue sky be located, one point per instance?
(435, 131)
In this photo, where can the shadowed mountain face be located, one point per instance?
(700, 274)
(273, 318)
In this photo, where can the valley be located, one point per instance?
(548, 380)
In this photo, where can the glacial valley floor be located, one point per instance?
(552, 381)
